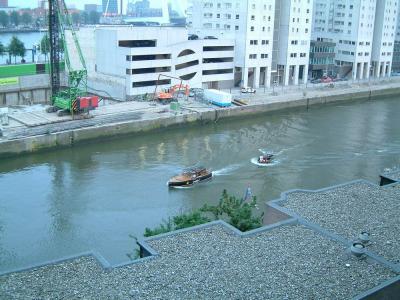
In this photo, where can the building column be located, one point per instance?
(390, 68)
(267, 77)
(296, 74)
(245, 77)
(257, 74)
(305, 73)
(287, 71)
(381, 69)
(368, 70)
(355, 68)
(361, 74)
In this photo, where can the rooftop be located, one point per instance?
(306, 256)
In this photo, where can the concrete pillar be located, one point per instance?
(390, 68)
(361, 73)
(305, 74)
(287, 73)
(381, 69)
(267, 77)
(257, 74)
(368, 66)
(245, 77)
(296, 74)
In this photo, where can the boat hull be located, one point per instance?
(189, 182)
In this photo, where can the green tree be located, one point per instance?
(76, 18)
(15, 18)
(4, 19)
(26, 18)
(16, 48)
(85, 17)
(45, 46)
(94, 17)
(236, 212)
(2, 49)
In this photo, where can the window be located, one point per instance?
(137, 43)
(151, 83)
(216, 72)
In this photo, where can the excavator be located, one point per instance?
(74, 98)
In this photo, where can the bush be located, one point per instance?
(234, 211)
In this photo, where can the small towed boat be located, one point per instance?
(190, 176)
(265, 159)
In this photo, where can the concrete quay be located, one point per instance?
(35, 130)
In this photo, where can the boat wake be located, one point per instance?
(226, 171)
(254, 161)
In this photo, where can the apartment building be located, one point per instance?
(364, 32)
(127, 61)
(250, 23)
(396, 49)
(292, 35)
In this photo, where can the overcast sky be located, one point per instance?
(78, 3)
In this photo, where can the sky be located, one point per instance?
(78, 3)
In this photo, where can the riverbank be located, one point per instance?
(30, 132)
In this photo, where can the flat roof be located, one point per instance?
(347, 210)
(213, 261)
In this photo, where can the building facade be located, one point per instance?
(127, 61)
(322, 59)
(250, 24)
(351, 25)
(110, 7)
(3, 3)
(384, 37)
(292, 35)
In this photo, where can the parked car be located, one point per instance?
(326, 79)
(315, 80)
(210, 37)
(248, 90)
(193, 37)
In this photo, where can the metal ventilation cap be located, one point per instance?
(357, 249)
(364, 237)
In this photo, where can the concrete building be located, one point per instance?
(292, 35)
(384, 37)
(3, 3)
(364, 32)
(396, 49)
(93, 7)
(126, 61)
(322, 59)
(110, 7)
(250, 24)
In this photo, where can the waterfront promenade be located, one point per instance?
(34, 129)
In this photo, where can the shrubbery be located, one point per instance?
(237, 212)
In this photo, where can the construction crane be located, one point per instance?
(72, 99)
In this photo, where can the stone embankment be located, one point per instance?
(33, 131)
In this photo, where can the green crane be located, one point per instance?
(72, 99)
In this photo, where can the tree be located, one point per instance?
(26, 18)
(45, 46)
(16, 48)
(235, 211)
(76, 18)
(4, 19)
(2, 49)
(85, 17)
(14, 18)
(94, 17)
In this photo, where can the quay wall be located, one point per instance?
(9, 148)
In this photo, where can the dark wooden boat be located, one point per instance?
(190, 176)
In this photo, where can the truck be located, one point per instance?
(218, 98)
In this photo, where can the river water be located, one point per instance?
(28, 38)
(64, 202)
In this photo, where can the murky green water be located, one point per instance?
(92, 197)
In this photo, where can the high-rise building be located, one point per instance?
(250, 24)
(292, 35)
(3, 3)
(93, 7)
(110, 7)
(384, 37)
(350, 24)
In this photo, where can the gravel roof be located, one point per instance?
(393, 175)
(350, 209)
(288, 262)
